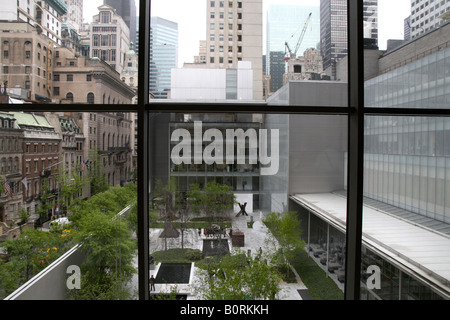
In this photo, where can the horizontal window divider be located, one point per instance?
(244, 108)
(43, 107)
(368, 111)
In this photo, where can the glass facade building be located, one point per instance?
(406, 158)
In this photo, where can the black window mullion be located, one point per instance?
(404, 112)
(143, 157)
(174, 107)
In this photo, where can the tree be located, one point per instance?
(167, 203)
(184, 218)
(108, 244)
(213, 200)
(96, 173)
(70, 187)
(237, 277)
(285, 236)
(24, 215)
(46, 204)
(109, 250)
(165, 198)
(28, 254)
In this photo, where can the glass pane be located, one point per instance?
(405, 230)
(67, 205)
(409, 69)
(250, 51)
(272, 165)
(406, 216)
(75, 53)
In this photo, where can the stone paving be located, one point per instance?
(254, 239)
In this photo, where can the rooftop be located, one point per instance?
(421, 250)
(29, 119)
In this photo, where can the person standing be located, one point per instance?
(152, 283)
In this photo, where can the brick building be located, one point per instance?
(41, 146)
(10, 167)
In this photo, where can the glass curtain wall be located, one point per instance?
(406, 223)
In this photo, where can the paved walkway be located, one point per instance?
(254, 239)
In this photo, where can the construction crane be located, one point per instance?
(293, 54)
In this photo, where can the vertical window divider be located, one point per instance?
(355, 150)
(143, 170)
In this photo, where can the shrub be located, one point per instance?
(193, 254)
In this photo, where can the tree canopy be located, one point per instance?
(213, 200)
(237, 276)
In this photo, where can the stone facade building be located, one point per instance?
(26, 61)
(234, 33)
(10, 167)
(110, 37)
(79, 79)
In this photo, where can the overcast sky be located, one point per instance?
(191, 27)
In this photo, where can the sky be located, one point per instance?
(191, 18)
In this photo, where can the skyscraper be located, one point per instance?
(163, 55)
(127, 10)
(74, 14)
(333, 29)
(234, 33)
(425, 15)
(285, 23)
(45, 16)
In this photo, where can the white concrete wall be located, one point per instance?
(210, 84)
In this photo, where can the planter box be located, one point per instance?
(237, 239)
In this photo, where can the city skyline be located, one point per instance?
(391, 15)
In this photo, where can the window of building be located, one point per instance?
(105, 17)
(90, 98)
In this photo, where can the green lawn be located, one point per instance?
(314, 278)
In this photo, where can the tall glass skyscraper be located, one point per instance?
(333, 29)
(163, 55)
(285, 24)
